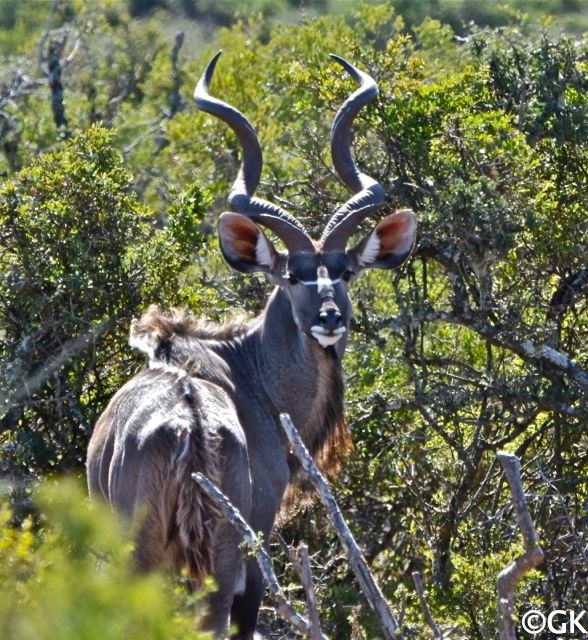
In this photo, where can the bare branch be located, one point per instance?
(566, 294)
(540, 355)
(231, 513)
(176, 104)
(154, 127)
(43, 39)
(583, 550)
(301, 562)
(72, 54)
(509, 578)
(418, 585)
(175, 98)
(54, 55)
(372, 592)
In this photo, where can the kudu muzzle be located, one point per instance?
(331, 324)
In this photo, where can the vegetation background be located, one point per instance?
(112, 183)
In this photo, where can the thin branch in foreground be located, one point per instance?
(509, 578)
(231, 513)
(386, 620)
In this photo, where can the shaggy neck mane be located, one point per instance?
(179, 339)
(183, 323)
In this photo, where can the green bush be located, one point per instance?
(69, 576)
(81, 256)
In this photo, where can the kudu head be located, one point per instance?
(314, 274)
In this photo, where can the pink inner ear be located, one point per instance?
(396, 234)
(240, 234)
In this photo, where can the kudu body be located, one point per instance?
(210, 399)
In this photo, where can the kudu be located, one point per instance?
(210, 400)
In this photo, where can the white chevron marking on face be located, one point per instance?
(320, 282)
(323, 280)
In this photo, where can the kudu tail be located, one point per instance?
(196, 513)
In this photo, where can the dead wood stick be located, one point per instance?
(232, 514)
(386, 620)
(420, 589)
(301, 562)
(509, 578)
(54, 67)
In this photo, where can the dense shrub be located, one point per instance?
(80, 257)
(66, 575)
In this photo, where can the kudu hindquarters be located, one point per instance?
(211, 398)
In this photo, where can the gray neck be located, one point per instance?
(299, 376)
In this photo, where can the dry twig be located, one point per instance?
(386, 620)
(231, 513)
(418, 585)
(509, 578)
(301, 562)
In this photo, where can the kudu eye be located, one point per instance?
(347, 275)
(291, 278)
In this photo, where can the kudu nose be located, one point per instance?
(330, 318)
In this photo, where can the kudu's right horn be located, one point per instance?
(241, 198)
(369, 195)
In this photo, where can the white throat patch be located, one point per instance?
(324, 338)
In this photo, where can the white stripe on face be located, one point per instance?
(322, 281)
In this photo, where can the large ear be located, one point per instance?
(244, 244)
(388, 245)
